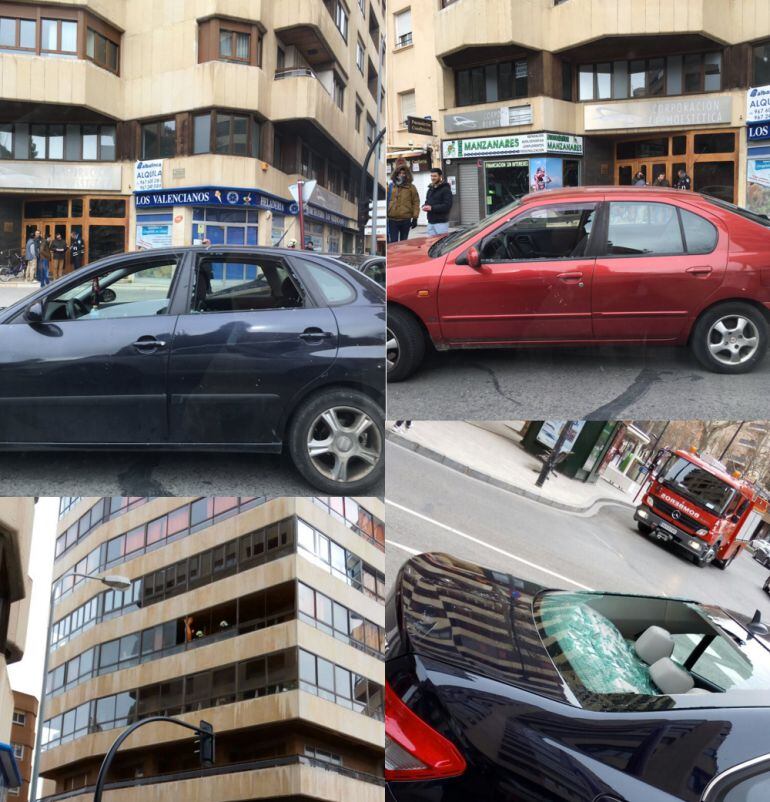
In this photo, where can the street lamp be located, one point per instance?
(114, 582)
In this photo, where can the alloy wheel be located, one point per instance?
(733, 339)
(393, 350)
(344, 444)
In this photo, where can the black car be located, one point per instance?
(216, 348)
(372, 266)
(500, 689)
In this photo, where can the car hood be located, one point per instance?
(406, 253)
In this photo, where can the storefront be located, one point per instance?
(486, 173)
(758, 149)
(10, 777)
(694, 134)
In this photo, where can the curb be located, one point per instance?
(460, 467)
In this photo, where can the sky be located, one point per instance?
(27, 675)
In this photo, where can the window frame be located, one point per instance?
(209, 42)
(523, 59)
(253, 135)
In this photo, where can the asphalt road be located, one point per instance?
(12, 292)
(577, 383)
(434, 508)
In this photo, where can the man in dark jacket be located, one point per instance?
(438, 203)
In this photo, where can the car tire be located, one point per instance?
(644, 528)
(734, 316)
(406, 344)
(331, 420)
(703, 563)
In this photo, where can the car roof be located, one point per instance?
(591, 191)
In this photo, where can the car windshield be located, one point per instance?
(445, 244)
(591, 638)
(755, 217)
(696, 484)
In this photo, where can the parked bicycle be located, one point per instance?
(12, 265)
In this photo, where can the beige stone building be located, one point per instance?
(592, 91)
(238, 98)
(261, 616)
(16, 516)
(23, 740)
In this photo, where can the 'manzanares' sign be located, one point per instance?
(544, 142)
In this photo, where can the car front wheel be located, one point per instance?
(405, 344)
(336, 441)
(730, 338)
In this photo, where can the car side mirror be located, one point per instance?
(474, 258)
(34, 313)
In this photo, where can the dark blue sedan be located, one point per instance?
(498, 689)
(217, 348)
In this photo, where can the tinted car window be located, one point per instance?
(548, 232)
(752, 789)
(242, 283)
(700, 236)
(334, 289)
(643, 228)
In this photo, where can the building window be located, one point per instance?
(761, 64)
(19, 718)
(229, 40)
(408, 107)
(340, 16)
(492, 82)
(56, 142)
(234, 45)
(371, 129)
(339, 91)
(653, 77)
(226, 133)
(362, 6)
(18, 751)
(404, 28)
(58, 37)
(360, 56)
(17, 34)
(101, 50)
(159, 139)
(359, 114)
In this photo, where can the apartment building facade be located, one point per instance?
(16, 517)
(23, 740)
(535, 94)
(262, 616)
(144, 124)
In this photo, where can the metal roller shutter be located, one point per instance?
(469, 194)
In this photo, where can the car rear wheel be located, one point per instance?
(336, 441)
(730, 338)
(645, 529)
(405, 344)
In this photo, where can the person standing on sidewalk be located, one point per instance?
(403, 203)
(438, 203)
(45, 261)
(683, 181)
(59, 249)
(77, 248)
(30, 254)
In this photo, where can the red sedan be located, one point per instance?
(591, 265)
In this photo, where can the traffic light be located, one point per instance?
(363, 214)
(204, 743)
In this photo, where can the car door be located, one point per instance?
(93, 369)
(650, 280)
(533, 283)
(250, 339)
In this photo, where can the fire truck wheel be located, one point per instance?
(645, 529)
(730, 338)
(709, 556)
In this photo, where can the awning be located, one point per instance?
(9, 771)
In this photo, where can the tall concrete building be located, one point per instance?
(23, 740)
(539, 94)
(149, 123)
(16, 516)
(261, 616)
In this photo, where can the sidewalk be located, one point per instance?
(500, 461)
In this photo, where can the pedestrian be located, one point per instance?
(661, 181)
(44, 262)
(403, 203)
(640, 180)
(77, 249)
(59, 249)
(438, 203)
(683, 182)
(309, 244)
(30, 254)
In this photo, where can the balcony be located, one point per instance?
(308, 26)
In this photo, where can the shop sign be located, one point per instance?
(148, 175)
(503, 164)
(758, 190)
(543, 142)
(153, 235)
(50, 175)
(317, 213)
(658, 113)
(214, 196)
(505, 117)
(761, 131)
(419, 125)
(758, 104)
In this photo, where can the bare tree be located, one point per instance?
(710, 431)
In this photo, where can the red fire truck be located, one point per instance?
(696, 504)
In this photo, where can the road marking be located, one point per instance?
(483, 543)
(403, 547)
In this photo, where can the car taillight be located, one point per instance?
(413, 749)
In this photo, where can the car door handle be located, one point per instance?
(315, 334)
(701, 270)
(574, 277)
(148, 343)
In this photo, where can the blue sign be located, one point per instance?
(317, 213)
(225, 197)
(759, 131)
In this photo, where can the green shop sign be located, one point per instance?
(507, 145)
